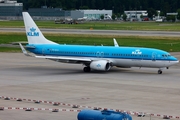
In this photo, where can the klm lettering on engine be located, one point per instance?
(33, 32)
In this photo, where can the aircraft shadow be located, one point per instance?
(48, 70)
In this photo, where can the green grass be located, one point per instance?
(100, 25)
(6, 38)
(168, 44)
(9, 49)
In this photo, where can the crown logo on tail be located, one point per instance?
(32, 29)
(32, 32)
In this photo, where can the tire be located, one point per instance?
(159, 71)
(87, 69)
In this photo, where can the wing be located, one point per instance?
(66, 59)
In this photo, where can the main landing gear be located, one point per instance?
(87, 69)
(160, 70)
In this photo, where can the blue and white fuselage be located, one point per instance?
(94, 57)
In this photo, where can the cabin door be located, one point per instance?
(154, 56)
(43, 51)
(100, 54)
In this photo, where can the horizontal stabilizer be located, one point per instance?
(23, 50)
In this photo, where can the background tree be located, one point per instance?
(124, 17)
(102, 17)
(84, 7)
(161, 14)
(118, 15)
(151, 12)
(113, 16)
(141, 17)
(118, 6)
(178, 16)
(171, 18)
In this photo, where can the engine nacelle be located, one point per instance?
(102, 65)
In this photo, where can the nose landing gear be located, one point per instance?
(159, 71)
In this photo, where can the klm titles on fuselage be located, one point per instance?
(136, 52)
(33, 32)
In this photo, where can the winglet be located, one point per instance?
(115, 43)
(23, 50)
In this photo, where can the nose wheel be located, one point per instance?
(159, 71)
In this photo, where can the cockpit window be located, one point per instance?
(166, 55)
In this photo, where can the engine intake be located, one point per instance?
(101, 65)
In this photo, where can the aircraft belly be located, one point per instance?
(126, 62)
(160, 64)
(141, 63)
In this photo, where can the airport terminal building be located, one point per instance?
(136, 15)
(11, 10)
(74, 14)
(96, 14)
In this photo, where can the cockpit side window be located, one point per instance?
(166, 55)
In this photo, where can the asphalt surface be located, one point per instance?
(100, 32)
(139, 90)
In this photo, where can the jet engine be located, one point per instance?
(102, 65)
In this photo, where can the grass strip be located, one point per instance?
(171, 44)
(164, 26)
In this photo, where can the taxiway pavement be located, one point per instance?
(140, 90)
(100, 32)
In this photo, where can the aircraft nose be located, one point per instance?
(175, 59)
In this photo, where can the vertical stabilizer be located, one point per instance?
(34, 35)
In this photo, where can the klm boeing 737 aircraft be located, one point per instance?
(101, 58)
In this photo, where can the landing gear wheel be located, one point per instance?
(159, 71)
(87, 69)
